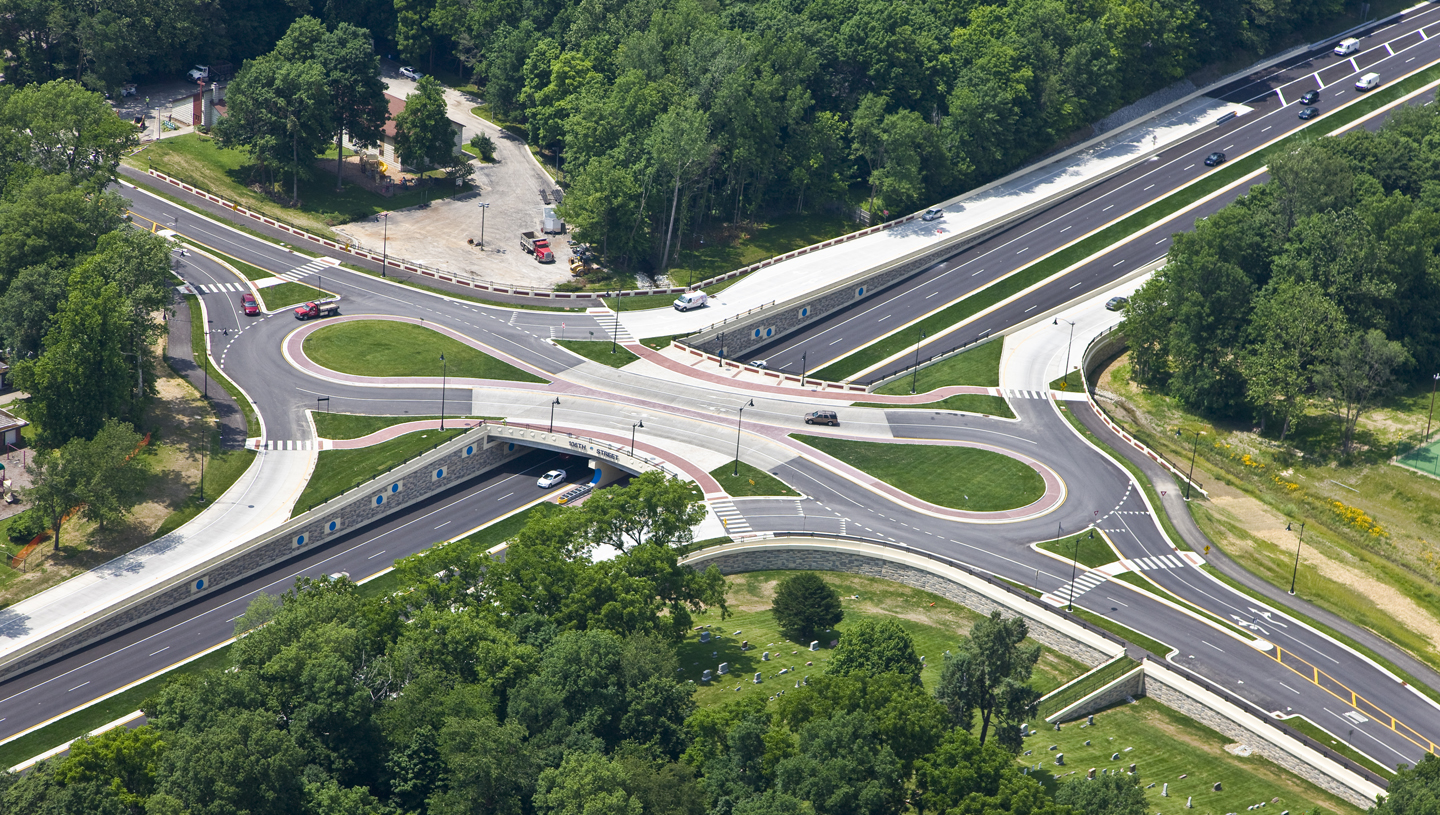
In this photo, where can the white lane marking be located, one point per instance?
(382, 551)
(1216, 647)
(1077, 284)
(79, 686)
(1265, 128)
(162, 650)
(1187, 167)
(503, 497)
(928, 296)
(1066, 228)
(447, 523)
(1287, 687)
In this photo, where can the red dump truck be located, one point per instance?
(318, 308)
(537, 246)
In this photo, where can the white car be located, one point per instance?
(551, 479)
(411, 73)
(933, 215)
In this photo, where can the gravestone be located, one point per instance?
(1057, 727)
(757, 677)
(1165, 791)
(737, 633)
(724, 668)
(1114, 756)
(1028, 752)
(765, 657)
(815, 645)
(834, 643)
(705, 677)
(1090, 719)
(1060, 759)
(805, 681)
(1091, 775)
(1054, 747)
(1217, 787)
(1150, 786)
(1132, 769)
(704, 636)
(1087, 742)
(745, 645)
(1188, 804)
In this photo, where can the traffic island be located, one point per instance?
(388, 348)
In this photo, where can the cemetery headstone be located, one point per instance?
(1165, 791)
(765, 657)
(1091, 774)
(724, 668)
(757, 677)
(705, 677)
(704, 636)
(1060, 759)
(1217, 787)
(1132, 769)
(1090, 719)
(1188, 799)
(1087, 742)
(745, 645)
(815, 645)
(1114, 756)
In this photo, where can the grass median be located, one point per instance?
(601, 352)
(751, 482)
(339, 471)
(980, 403)
(354, 426)
(1087, 549)
(979, 367)
(390, 348)
(1041, 270)
(284, 295)
(946, 475)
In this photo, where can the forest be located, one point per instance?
(1318, 288)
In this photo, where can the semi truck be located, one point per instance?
(317, 308)
(537, 246)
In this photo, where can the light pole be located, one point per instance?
(739, 417)
(1074, 561)
(552, 413)
(385, 244)
(483, 206)
(1433, 381)
(633, 427)
(1195, 449)
(1296, 568)
(722, 350)
(916, 367)
(615, 334)
(444, 380)
(1068, 343)
(802, 368)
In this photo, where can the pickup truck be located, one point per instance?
(318, 308)
(219, 72)
(537, 246)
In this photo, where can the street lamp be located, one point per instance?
(638, 424)
(552, 413)
(1433, 381)
(739, 417)
(722, 350)
(1074, 559)
(444, 377)
(916, 372)
(1296, 569)
(1068, 343)
(802, 368)
(1193, 451)
(615, 334)
(384, 244)
(483, 206)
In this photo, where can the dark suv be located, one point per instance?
(822, 417)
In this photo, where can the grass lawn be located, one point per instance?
(198, 160)
(935, 624)
(289, 294)
(1164, 745)
(222, 469)
(353, 425)
(597, 351)
(752, 481)
(387, 348)
(1093, 551)
(1094, 681)
(753, 243)
(197, 350)
(337, 471)
(1071, 384)
(1319, 734)
(957, 477)
(978, 366)
(981, 403)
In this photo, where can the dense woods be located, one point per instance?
(1318, 287)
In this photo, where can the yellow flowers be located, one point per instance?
(1356, 517)
(1290, 486)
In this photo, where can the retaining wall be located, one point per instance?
(449, 464)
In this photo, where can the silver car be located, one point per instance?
(551, 479)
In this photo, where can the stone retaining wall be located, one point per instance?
(449, 464)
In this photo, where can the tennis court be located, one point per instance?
(1425, 459)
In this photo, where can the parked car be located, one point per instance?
(1215, 159)
(1310, 97)
(933, 215)
(248, 303)
(1347, 46)
(1116, 303)
(411, 73)
(822, 417)
(128, 89)
(691, 299)
(1309, 113)
(551, 479)
(1368, 82)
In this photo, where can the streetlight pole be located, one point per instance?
(1434, 380)
(483, 206)
(739, 417)
(638, 424)
(1296, 569)
(385, 244)
(615, 335)
(722, 350)
(916, 367)
(802, 368)
(1074, 563)
(444, 380)
(1068, 343)
(552, 413)
(1193, 450)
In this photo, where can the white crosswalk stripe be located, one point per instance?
(735, 523)
(1017, 393)
(289, 444)
(1083, 583)
(298, 272)
(1161, 562)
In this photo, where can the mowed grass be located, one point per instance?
(275, 298)
(752, 481)
(934, 623)
(389, 348)
(600, 352)
(1092, 549)
(1163, 746)
(338, 471)
(354, 425)
(950, 476)
(979, 366)
(981, 403)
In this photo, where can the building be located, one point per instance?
(10, 427)
(387, 145)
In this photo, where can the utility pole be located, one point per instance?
(483, 207)
(1296, 568)
(552, 413)
(915, 372)
(385, 244)
(1068, 344)
(1434, 380)
(444, 380)
(739, 418)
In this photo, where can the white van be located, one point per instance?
(691, 299)
(1347, 47)
(1367, 82)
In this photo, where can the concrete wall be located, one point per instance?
(442, 468)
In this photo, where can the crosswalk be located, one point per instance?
(1018, 393)
(308, 269)
(1161, 562)
(288, 444)
(1083, 583)
(735, 523)
(219, 288)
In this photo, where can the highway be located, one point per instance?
(1221, 635)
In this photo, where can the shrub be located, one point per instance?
(484, 146)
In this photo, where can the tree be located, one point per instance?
(487, 765)
(1413, 791)
(53, 488)
(988, 673)
(125, 760)
(1360, 373)
(484, 146)
(962, 772)
(1113, 794)
(843, 768)
(653, 508)
(585, 784)
(679, 145)
(71, 131)
(27, 307)
(51, 220)
(875, 646)
(424, 136)
(243, 762)
(139, 264)
(110, 478)
(357, 96)
(279, 110)
(804, 604)
(1293, 329)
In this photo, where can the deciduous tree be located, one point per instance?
(804, 604)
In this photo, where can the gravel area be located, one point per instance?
(1153, 102)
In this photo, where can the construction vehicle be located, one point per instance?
(317, 308)
(537, 246)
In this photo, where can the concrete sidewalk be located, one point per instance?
(823, 267)
(1036, 356)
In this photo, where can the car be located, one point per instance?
(933, 215)
(1116, 303)
(1215, 159)
(551, 479)
(1309, 113)
(411, 73)
(129, 89)
(249, 304)
(822, 417)
(1310, 97)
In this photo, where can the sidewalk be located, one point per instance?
(1036, 356)
(794, 277)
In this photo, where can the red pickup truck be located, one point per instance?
(319, 308)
